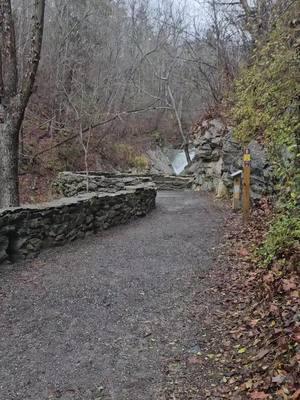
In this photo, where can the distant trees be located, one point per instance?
(116, 54)
(15, 91)
(104, 59)
(167, 65)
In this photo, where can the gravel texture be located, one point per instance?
(99, 318)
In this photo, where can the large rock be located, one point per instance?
(160, 163)
(219, 154)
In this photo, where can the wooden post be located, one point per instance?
(246, 184)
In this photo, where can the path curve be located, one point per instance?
(97, 319)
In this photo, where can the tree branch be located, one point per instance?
(1, 76)
(97, 125)
(36, 45)
(8, 48)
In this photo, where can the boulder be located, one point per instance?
(160, 163)
(219, 154)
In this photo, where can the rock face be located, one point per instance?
(218, 155)
(71, 184)
(27, 230)
(160, 163)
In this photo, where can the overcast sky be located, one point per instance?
(193, 8)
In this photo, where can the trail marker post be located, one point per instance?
(246, 184)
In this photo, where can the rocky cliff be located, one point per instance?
(218, 155)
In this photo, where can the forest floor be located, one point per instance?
(170, 307)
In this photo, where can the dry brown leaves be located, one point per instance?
(262, 319)
(248, 320)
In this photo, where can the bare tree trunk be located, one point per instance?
(9, 165)
(85, 147)
(185, 141)
(14, 97)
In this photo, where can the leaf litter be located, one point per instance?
(250, 327)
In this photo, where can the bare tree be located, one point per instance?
(124, 56)
(165, 64)
(15, 94)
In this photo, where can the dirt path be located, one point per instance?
(99, 319)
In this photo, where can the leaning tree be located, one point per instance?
(15, 92)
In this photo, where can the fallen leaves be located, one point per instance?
(278, 379)
(253, 340)
(244, 252)
(288, 284)
(194, 360)
(253, 322)
(259, 396)
(296, 334)
(296, 395)
(242, 350)
(261, 354)
(262, 319)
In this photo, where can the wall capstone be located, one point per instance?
(73, 183)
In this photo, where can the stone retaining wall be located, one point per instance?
(71, 184)
(27, 230)
(173, 182)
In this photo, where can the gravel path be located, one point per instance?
(99, 318)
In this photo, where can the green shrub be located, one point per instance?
(266, 107)
(158, 138)
(141, 163)
(128, 157)
(283, 235)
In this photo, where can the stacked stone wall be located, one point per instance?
(71, 184)
(25, 231)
